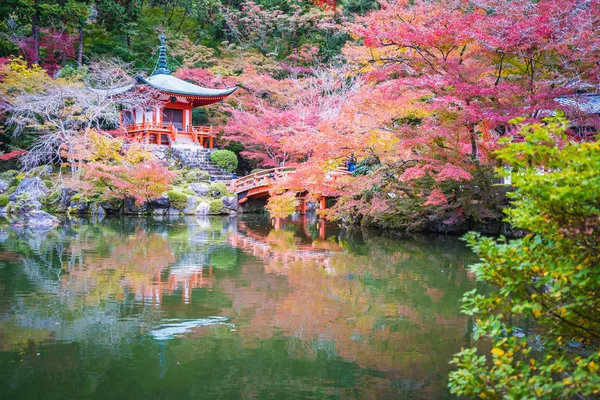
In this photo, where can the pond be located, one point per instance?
(228, 308)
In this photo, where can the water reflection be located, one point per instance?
(227, 308)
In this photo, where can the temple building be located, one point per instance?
(170, 123)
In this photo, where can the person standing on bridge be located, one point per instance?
(351, 163)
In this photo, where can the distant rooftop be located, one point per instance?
(588, 103)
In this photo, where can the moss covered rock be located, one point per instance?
(177, 199)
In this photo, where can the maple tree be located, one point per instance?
(110, 169)
(442, 80)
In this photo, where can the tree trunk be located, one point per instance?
(474, 148)
(80, 49)
(35, 25)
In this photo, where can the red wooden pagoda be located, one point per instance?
(171, 122)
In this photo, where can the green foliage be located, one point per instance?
(218, 189)
(196, 175)
(224, 159)
(19, 178)
(4, 200)
(360, 7)
(9, 176)
(177, 199)
(216, 206)
(185, 177)
(283, 205)
(549, 279)
(11, 190)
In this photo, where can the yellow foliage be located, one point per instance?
(498, 352)
(18, 77)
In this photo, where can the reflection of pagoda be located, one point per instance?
(184, 277)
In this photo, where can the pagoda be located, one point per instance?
(170, 123)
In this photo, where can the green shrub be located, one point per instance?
(177, 199)
(224, 159)
(52, 198)
(547, 280)
(19, 178)
(218, 189)
(188, 191)
(42, 170)
(11, 190)
(76, 197)
(9, 176)
(216, 206)
(257, 170)
(179, 179)
(4, 200)
(48, 183)
(196, 175)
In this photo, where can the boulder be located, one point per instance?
(111, 206)
(200, 189)
(131, 208)
(191, 206)
(80, 207)
(3, 186)
(203, 208)
(160, 203)
(32, 187)
(230, 202)
(65, 198)
(24, 206)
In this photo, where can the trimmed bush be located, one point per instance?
(224, 159)
(177, 199)
(11, 190)
(4, 200)
(216, 206)
(217, 189)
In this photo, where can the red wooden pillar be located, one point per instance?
(322, 229)
(302, 205)
(211, 143)
(323, 203)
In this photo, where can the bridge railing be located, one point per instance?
(261, 178)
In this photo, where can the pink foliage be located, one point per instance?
(55, 47)
(413, 173)
(436, 198)
(453, 173)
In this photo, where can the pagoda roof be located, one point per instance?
(171, 85)
(162, 81)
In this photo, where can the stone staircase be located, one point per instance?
(194, 156)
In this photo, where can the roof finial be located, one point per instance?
(162, 57)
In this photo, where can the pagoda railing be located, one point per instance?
(202, 135)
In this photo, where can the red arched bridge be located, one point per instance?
(259, 184)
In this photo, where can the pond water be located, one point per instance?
(226, 308)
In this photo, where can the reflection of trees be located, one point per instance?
(102, 280)
(384, 304)
(357, 316)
